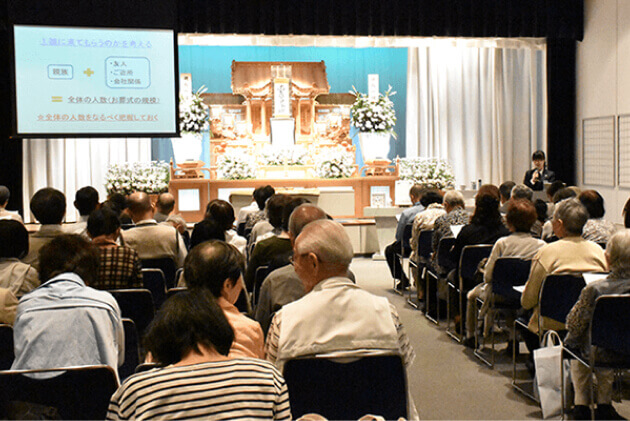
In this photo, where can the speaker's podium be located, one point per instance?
(282, 132)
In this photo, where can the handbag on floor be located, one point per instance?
(550, 371)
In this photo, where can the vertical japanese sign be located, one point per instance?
(281, 98)
(373, 87)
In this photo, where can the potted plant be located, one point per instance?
(193, 121)
(375, 119)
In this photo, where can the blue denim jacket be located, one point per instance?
(65, 323)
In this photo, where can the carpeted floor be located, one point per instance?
(447, 381)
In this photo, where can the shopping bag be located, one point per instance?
(550, 373)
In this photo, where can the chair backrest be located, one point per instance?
(166, 265)
(80, 393)
(6, 347)
(153, 280)
(174, 291)
(137, 305)
(509, 272)
(259, 277)
(444, 252)
(347, 391)
(424, 244)
(610, 326)
(178, 275)
(469, 261)
(132, 352)
(558, 295)
(406, 238)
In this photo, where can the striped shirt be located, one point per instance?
(220, 390)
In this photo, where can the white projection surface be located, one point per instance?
(94, 81)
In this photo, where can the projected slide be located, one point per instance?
(83, 81)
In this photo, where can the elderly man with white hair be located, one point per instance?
(335, 317)
(578, 320)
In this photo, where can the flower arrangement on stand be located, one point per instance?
(375, 119)
(433, 173)
(236, 165)
(193, 121)
(148, 177)
(334, 163)
(283, 156)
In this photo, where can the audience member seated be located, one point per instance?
(118, 203)
(335, 317)
(8, 306)
(119, 266)
(571, 253)
(266, 229)
(267, 250)
(407, 217)
(260, 196)
(541, 217)
(86, 201)
(423, 221)
(246, 210)
(218, 267)
(150, 239)
(578, 321)
(520, 216)
(48, 205)
(16, 276)
(505, 190)
(5, 195)
(219, 215)
(64, 322)
(597, 229)
(455, 215)
(283, 286)
(191, 336)
(562, 194)
(164, 206)
(521, 191)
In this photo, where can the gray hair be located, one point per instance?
(521, 191)
(454, 198)
(618, 252)
(573, 215)
(303, 215)
(328, 240)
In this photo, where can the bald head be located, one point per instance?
(328, 240)
(165, 203)
(140, 207)
(303, 215)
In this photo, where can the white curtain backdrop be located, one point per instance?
(69, 164)
(480, 104)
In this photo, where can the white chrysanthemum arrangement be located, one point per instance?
(148, 177)
(283, 156)
(374, 115)
(433, 173)
(193, 113)
(334, 163)
(236, 165)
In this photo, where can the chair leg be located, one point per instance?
(516, 385)
(449, 332)
(478, 353)
(427, 299)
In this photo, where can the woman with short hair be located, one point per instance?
(597, 229)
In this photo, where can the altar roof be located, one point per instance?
(253, 77)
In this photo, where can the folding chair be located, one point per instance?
(443, 256)
(132, 351)
(137, 305)
(508, 273)
(174, 291)
(6, 347)
(259, 277)
(77, 393)
(166, 265)
(609, 329)
(558, 294)
(423, 256)
(405, 252)
(468, 262)
(153, 280)
(341, 390)
(178, 275)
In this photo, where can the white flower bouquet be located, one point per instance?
(279, 156)
(433, 173)
(148, 177)
(334, 163)
(193, 113)
(375, 116)
(236, 165)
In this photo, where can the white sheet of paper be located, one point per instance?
(455, 229)
(592, 277)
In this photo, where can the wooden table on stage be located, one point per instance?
(204, 190)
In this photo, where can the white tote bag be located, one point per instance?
(550, 371)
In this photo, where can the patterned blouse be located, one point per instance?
(442, 225)
(598, 230)
(119, 267)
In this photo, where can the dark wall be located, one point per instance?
(560, 21)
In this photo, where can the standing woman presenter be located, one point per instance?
(538, 175)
